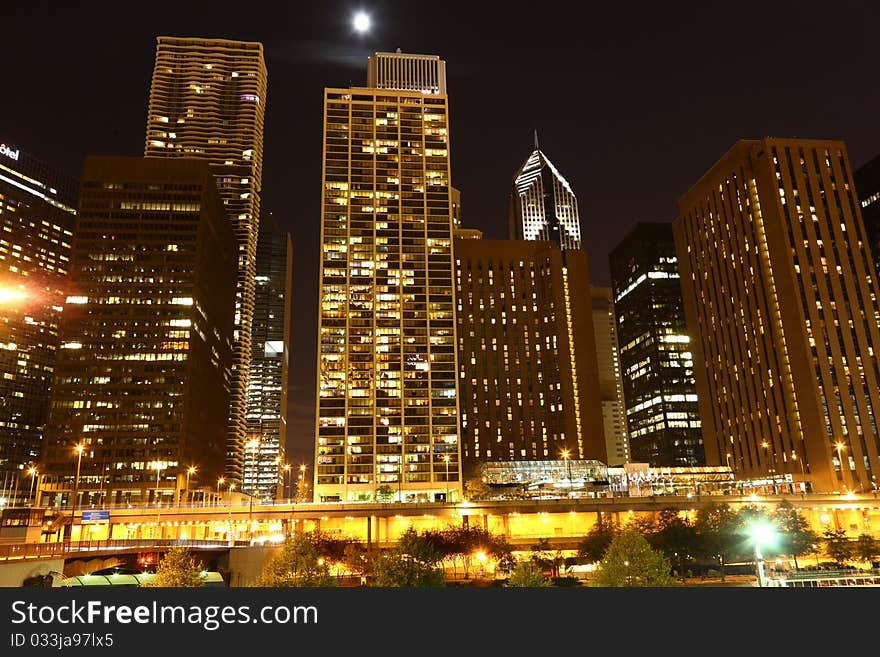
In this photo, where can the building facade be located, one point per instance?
(610, 382)
(208, 101)
(867, 181)
(656, 360)
(780, 296)
(543, 205)
(37, 216)
(142, 382)
(387, 420)
(528, 371)
(270, 355)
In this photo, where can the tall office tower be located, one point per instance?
(610, 383)
(867, 181)
(387, 404)
(781, 298)
(656, 362)
(527, 361)
(543, 205)
(143, 375)
(270, 354)
(37, 216)
(208, 101)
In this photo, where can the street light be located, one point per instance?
(32, 471)
(220, 482)
(254, 446)
(446, 460)
(286, 468)
(567, 463)
(794, 457)
(302, 477)
(191, 470)
(159, 467)
(762, 533)
(79, 452)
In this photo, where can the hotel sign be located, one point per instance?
(9, 152)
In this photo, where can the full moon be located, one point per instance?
(361, 22)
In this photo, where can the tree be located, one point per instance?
(384, 493)
(527, 574)
(717, 527)
(676, 537)
(596, 542)
(837, 545)
(631, 561)
(477, 489)
(866, 548)
(797, 537)
(297, 564)
(413, 563)
(177, 568)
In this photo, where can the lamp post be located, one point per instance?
(254, 446)
(158, 491)
(220, 482)
(32, 471)
(839, 446)
(446, 460)
(79, 452)
(286, 468)
(568, 465)
(302, 479)
(191, 470)
(762, 534)
(794, 457)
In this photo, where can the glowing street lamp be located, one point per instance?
(191, 470)
(568, 464)
(158, 465)
(79, 452)
(220, 482)
(32, 471)
(286, 468)
(446, 461)
(302, 477)
(761, 533)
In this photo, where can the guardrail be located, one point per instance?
(16, 551)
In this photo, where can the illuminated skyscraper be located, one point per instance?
(143, 374)
(867, 180)
(610, 384)
(387, 405)
(780, 296)
(37, 216)
(543, 205)
(208, 101)
(655, 350)
(527, 357)
(267, 384)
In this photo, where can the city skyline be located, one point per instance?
(645, 95)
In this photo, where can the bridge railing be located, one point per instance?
(16, 551)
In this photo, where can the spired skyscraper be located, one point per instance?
(208, 101)
(543, 205)
(387, 420)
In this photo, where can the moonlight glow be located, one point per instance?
(361, 22)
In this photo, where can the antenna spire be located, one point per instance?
(536, 140)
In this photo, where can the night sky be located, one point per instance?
(632, 103)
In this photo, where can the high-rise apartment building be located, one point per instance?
(527, 359)
(37, 215)
(867, 180)
(387, 420)
(270, 345)
(656, 360)
(142, 381)
(610, 383)
(208, 101)
(543, 205)
(781, 299)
